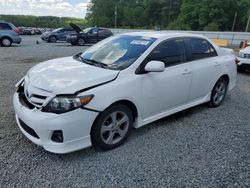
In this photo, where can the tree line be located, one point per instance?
(209, 15)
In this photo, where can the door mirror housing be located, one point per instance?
(155, 66)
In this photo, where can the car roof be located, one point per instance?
(163, 34)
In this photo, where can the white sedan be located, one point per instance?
(124, 82)
(244, 59)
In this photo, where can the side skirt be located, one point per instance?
(142, 122)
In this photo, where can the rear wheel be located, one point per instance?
(6, 42)
(112, 127)
(52, 39)
(81, 42)
(218, 93)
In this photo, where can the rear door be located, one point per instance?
(205, 66)
(103, 34)
(61, 34)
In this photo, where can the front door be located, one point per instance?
(163, 91)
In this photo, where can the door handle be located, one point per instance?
(186, 72)
(217, 64)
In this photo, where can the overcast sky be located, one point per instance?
(61, 8)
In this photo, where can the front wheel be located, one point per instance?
(112, 127)
(52, 39)
(218, 93)
(6, 42)
(81, 42)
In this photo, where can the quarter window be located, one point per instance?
(171, 52)
(200, 49)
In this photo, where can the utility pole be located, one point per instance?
(115, 16)
(169, 11)
(235, 17)
(248, 22)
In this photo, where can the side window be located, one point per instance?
(171, 52)
(61, 31)
(200, 49)
(4, 26)
(93, 31)
(102, 32)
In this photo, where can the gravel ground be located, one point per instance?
(200, 147)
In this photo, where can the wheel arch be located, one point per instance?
(3, 37)
(125, 102)
(226, 77)
(130, 105)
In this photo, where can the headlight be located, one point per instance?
(73, 36)
(241, 54)
(62, 104)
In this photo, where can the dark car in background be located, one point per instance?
(59, 34)
(9, 34)
(90, 35)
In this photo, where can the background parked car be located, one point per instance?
(58, 34)
(243, 62)
(9, 34)
(90, 35)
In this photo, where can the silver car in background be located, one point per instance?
(9, 34)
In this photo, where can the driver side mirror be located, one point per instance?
(155, 66)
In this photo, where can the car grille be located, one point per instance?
(247, 56)
(28, 129)
(36, 98)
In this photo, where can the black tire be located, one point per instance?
(6, 42)
(73, 43)
(215, 93)
(81, 42)
(240, 69)
(104, 120)
(52, 39)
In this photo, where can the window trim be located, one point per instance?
(140, 68)
(189, 51)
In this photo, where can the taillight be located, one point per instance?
(237, 61)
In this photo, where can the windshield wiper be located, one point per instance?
(94, 62)
(91, 61)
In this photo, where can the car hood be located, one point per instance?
(46, 33)
(67, 76)
(75, 27)
(246, 50)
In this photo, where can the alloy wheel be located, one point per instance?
(6, 42)
(81, 42)
(114, 127)
(219, 92)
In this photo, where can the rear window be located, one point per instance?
(5, 26)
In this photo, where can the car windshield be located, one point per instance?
(87, 30)
(118, 52)
(56, 30)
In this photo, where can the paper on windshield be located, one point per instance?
(140, 42)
